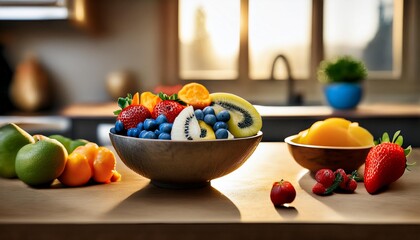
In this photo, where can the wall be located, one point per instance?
(78, 62)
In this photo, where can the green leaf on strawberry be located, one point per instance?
(123, 103)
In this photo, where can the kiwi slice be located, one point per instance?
(186, 126)
(206, 131)
(244, 120)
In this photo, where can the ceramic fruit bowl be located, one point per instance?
(315, 157)
(183, 163)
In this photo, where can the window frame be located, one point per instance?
(407, 84)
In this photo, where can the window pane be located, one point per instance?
(279, 27)
(363, 29)
(209, 39)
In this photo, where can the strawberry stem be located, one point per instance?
(173, 97)
(355, 175)
(338, 179)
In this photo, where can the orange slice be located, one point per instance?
(195, 94)
(136, 99)
(149, 100)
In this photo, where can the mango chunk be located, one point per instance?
(336, 132)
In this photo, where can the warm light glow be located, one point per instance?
(279, 27)
(209, 37)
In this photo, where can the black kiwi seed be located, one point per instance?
(247, 120)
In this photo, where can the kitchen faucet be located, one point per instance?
(292, 97)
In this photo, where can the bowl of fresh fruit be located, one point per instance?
(333, 143)
(186, 139)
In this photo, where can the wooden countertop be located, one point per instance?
(370, 110)
(234, 206)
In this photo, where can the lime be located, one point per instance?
(12, 138)
(40, 163)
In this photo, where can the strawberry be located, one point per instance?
(385, 163)
(170, 106)
(344, 177)
(321, 189)
(131, 114)
(325, 177)
(282, 192)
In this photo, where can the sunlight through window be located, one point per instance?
(209, 39)
(279, 27)
(364, 29)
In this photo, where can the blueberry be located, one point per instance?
(166, 127)
(199, 114)
(165, 136)
(161, 119)
(142, 133)
(157, 132)
(208, 110)
(220, 125)
(210, 119)
(140, 126)
(221, 133)
(119, 126)
(223, 116)
(112, 130)
(133, 132)
(150, 135)
(150, 124)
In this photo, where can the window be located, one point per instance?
(209, 34)
(251, 33)
(367, 30)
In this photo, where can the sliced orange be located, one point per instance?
(136, 99)
(195, 94)
(149, 100)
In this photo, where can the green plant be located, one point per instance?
(342, 69)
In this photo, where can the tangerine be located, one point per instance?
(90, 150)
(77, 171)
(104, 165)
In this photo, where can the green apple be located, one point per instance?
(69, 143)
(76, 143)
(63, 140)
(40, 163)
(12, 138)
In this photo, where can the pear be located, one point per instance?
(39, 164)
(12, 139)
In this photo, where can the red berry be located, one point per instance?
(325, 177)
(345, 177)
(351, 185)
(132, 115)
(282, 192)
(169, 108)
(319, 189)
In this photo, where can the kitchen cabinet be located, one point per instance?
(236, 206)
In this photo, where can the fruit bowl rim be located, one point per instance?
(289, 140)
(260, 133)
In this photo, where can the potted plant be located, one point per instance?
(342, 78)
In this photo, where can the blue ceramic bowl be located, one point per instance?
(343, 95)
